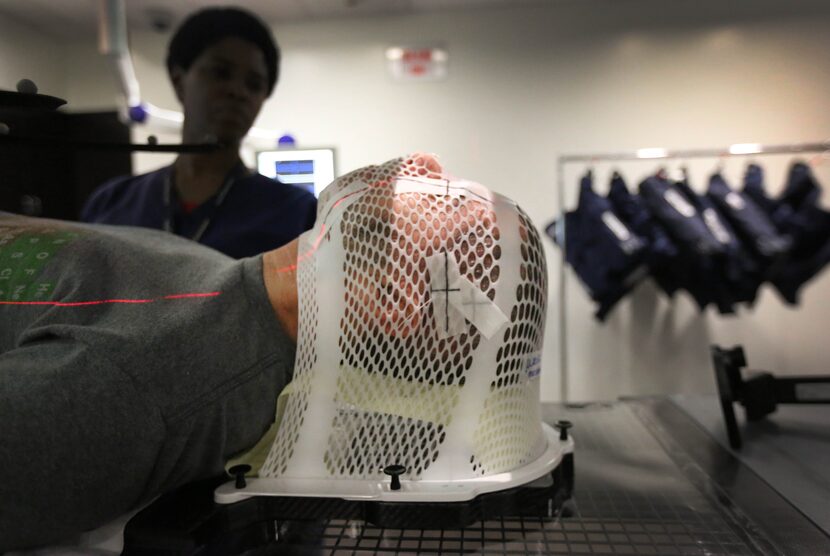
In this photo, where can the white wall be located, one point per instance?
(530, 83)
(28, 53)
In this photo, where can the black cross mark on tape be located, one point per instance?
(472, 301)
(446, 291)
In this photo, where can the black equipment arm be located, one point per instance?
(760, 392)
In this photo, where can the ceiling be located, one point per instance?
(69, 19)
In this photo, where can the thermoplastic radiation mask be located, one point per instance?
(421, 317)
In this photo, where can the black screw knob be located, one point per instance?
(239, 472)
(395, 471)
(27, 87)
(563, 427)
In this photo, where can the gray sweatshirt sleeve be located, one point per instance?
(131, 362)
(77, 444)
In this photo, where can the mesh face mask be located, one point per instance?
(421, 317)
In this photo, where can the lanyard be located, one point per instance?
(235, 172)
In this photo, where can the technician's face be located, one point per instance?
(222, 91)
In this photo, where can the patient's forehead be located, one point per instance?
(384, 175)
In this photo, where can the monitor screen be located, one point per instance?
(311, 169)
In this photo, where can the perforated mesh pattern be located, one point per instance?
(306, 357)
(388, 331)
(398, 381)
(509, 426)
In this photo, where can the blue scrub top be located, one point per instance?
(257, 215)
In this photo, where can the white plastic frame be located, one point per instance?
(411, 490)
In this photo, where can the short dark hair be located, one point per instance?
(209, 26)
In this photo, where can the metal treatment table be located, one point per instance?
(650, 479)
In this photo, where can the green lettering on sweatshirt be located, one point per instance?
(23, 254)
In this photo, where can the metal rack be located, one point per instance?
(739, 149)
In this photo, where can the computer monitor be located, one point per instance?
(311, 169)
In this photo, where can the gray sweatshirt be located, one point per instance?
(131, 361)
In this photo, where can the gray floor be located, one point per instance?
(790, 450)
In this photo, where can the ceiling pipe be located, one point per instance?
(112, 43)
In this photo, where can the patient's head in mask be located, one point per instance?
(405, 214)
(389, 243)
(411, 282)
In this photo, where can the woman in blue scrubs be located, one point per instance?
(223, 64)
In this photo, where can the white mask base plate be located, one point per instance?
(410, 491)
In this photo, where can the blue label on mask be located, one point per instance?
(533, 367)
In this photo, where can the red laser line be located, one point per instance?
(289, 268)
(303, 256)
(110, 301)
(310, 252)
(191, 295)
(344, 197)
(99, 302)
